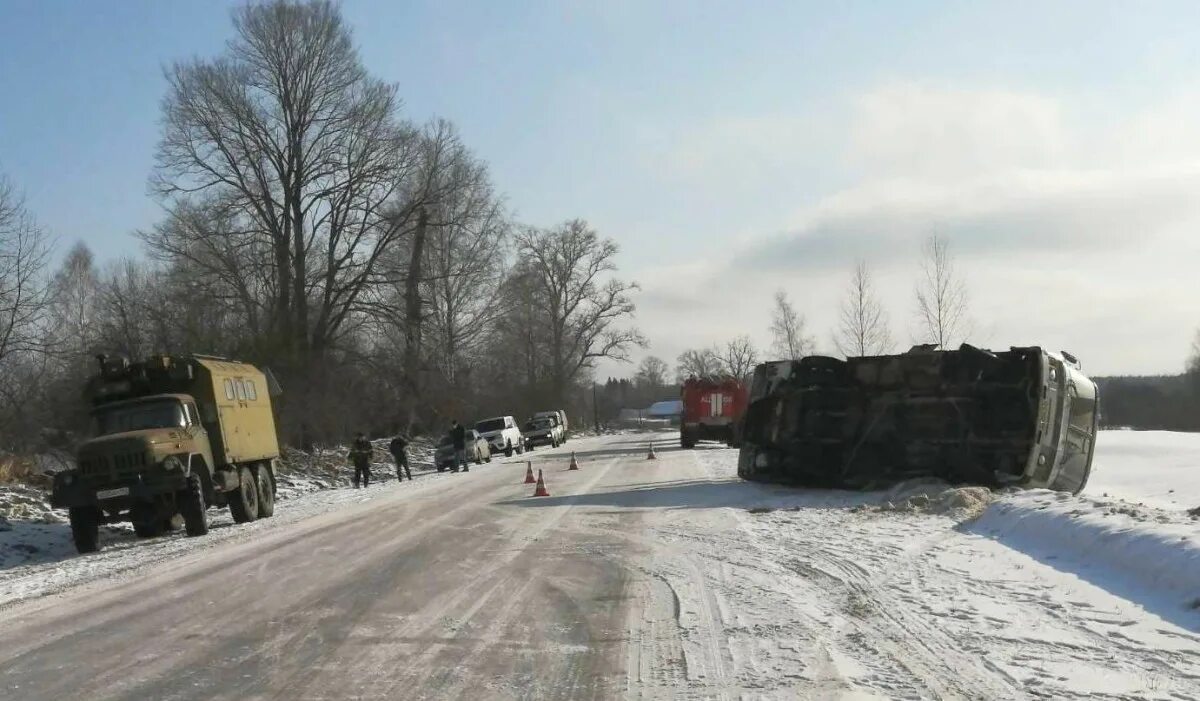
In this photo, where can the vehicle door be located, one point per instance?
(198, 434)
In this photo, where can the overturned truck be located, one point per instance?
(1023, 417)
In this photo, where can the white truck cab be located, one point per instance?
(502, 435)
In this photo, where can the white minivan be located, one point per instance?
(502, 435)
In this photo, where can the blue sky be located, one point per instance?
(710, 137)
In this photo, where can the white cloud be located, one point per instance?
(1073, 233)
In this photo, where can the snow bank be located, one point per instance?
(1144, 554)
(937, 497)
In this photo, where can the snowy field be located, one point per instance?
(1156, 468)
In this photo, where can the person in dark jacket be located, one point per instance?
(458, 435)
(398, 448)
(360, 455)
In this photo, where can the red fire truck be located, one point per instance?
(712, 410)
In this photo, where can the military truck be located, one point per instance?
(175, 435)
(1023, 417)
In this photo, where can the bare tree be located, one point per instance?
(941, 296)
(787, 330)
(652, 372)
(703, 362)
(24, 292)
(286, 171)
(75, 295)
(738, 357)
(568, 266)
(863, 327)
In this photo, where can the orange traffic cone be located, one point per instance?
(540, 491)
(529, 473)
(574, 464)
(651, 455)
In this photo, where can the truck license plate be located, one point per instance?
(112, 493)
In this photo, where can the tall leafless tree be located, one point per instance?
(789, 340)
(863, 325)
(701, 363)
(286, 170)
(581, 304)
(24, 291)
(941, 296)
(652, 372)
(738, 357)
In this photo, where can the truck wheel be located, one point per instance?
(508, 449)
(746, 457)
(686, 441)
(521, 448)
(488, 457)
(146, 522)
(243, 502)
(85, 528)
(193, 508)
(478, 457)
(266, 492)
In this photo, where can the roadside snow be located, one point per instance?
(767, 591)
(37, 555)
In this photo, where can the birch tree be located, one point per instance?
(789, 340)
(863, 324)
(941, 296)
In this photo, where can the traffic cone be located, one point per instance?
(540, 491)
(651, 455)
(529, 473)
(574, 464)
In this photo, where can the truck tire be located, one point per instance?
(478, 457)
(508, 450)
(686, 441)
(243, 501)
(266, 491)
(521, 447)
(146, 521)
(193, 508)
(85, 528)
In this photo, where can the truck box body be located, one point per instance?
(1018, 417)
(232, 398)
(712, 409)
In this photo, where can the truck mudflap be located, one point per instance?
(77, 492)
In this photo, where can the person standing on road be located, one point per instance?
(360, 455)
(399, 453)
(458, 435)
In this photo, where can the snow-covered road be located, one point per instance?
(636, 579)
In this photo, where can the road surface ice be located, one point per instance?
(636, 578)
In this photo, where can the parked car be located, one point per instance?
(543, 430)
(562, 422)
(477, 451)
(502, 435)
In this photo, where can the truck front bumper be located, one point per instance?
(113, 496)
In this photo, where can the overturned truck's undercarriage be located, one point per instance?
(967, 415)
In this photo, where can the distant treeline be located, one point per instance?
(1166, 402)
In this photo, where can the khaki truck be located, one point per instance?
(175, 435)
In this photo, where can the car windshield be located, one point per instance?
(542, 423)
(159, 413)
(490, 425)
